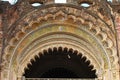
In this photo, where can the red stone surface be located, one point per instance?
(118, 26)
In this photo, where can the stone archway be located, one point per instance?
(60, 63)
(55, 39)
(66, 29)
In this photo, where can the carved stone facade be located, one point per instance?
(93, 31)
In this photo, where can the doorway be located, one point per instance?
(60, 63)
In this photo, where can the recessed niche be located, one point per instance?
(36, 4)
(85, 5)
(109, 0)
(12, 2)
(60, 1)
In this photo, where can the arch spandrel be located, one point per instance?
(65, 22)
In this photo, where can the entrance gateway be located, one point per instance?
(56, 56)
(60, 63)
(61, 40)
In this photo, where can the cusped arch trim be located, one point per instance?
(61, 49)
(56, 42)
(60, 18)
(64, 42)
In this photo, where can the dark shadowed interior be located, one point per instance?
(60, 63)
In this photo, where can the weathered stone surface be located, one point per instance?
(99, 23)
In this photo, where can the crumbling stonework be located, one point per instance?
(22, 26)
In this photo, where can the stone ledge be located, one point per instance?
(56, 79)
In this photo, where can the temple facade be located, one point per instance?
(50, 39)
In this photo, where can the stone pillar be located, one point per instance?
(115, 73)
(100, 74)
(19, 73)
(108, 75)
(19, 78)
(4, 75)
(23, 77)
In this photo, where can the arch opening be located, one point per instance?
(60, 63)
(58, 72)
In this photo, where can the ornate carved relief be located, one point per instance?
(73, 24)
